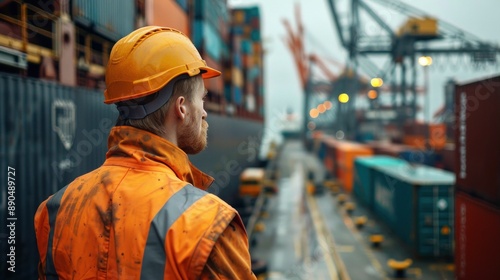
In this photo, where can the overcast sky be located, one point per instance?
(281, 80)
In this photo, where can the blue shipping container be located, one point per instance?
(364, 169)
(111, 18)
(419, 157)
(207, 39)
(213, 11)
(227, 93)
(237, 95)
(417, 202)
(246, 46)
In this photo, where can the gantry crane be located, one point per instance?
(420, 35)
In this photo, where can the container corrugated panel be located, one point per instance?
(52, 134)
(211, 11)
(102, 16)
(477, 246)
(207, 39)
(170, 13)
(364, 169)
(417, 202)
(477, 138)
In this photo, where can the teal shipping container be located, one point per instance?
(207, 39)
(364, 169)
(213, 11)
(417, 202)
(100, 16)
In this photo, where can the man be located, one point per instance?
(144, 213)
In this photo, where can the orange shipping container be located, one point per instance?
(346, 153)
(167, 13)
(437, 136)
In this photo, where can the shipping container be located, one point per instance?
(477, 238)
(50, 134)
(364, 169)
(170, 13)
(207, 40)
(212, 12)
(215, 85)
(419, 157)
(447, 157)
(100, 16)
(415, 135)
(417, 203)
(346, 153)
(477, 138)
(330, 154)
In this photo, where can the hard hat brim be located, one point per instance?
(209, 72)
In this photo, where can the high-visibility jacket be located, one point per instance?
(144, 214)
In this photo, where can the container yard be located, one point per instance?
(356, 139)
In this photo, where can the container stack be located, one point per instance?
(415, 135)
(247, 67)
(477, 166)
(97, 29)
(210, 35)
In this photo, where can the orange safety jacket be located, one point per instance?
(144, 214)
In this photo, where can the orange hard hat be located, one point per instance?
(144, 61)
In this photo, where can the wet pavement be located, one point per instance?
(312, 236)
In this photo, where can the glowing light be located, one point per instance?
(314, 113)
(328, 105)
(372, 94)
(321, 108)
(425, 60)
(376, 82)
(343, 98)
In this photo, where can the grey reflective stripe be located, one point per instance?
(52, 207)
(155, 259)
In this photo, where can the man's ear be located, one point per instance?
(180, 107)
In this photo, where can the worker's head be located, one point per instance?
(155, 73)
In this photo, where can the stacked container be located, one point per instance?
(415, 135)
(210, 35)
(248, 95)
(477, 168)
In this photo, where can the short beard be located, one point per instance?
(193, 144)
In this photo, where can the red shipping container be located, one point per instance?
(477, 138)
(168, 13)
(477, 239)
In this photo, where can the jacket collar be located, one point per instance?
(149, 149)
